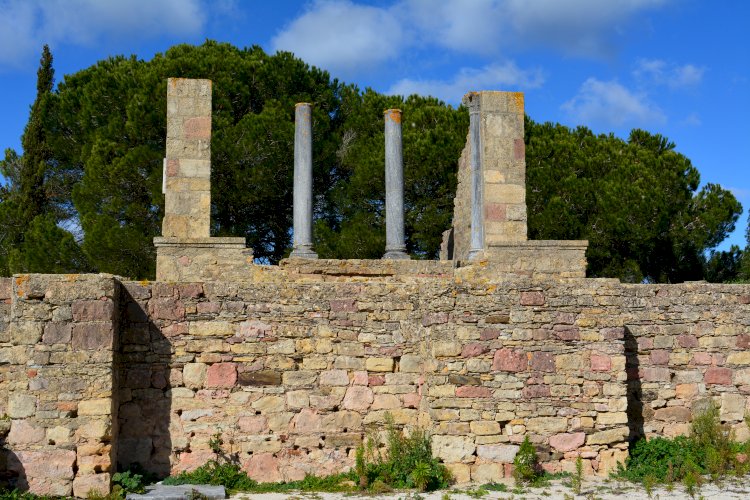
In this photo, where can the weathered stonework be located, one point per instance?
(294, 368)
(186, 250)
(57, 382)
(503, 199)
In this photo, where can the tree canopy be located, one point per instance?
(93, 153)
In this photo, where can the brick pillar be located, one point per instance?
(188, 176)
(504, 167)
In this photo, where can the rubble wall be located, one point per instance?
(294, 369)
(57, 382)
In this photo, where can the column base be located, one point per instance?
(475, 254)
(396, 254)
(303, 252)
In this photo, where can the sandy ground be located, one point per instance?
(593, 488)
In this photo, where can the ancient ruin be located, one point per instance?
(503, 338)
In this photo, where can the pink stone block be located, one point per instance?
(221, 375)
(343, 305)
(600, 363)
(254, 424)
(702, 358)
(743, 341)
(93, 310)
(495, 212)
(412, 400)
(687, 341)
(510, 360)
(376, 380)
(473, 391)
(535, 298)
(358, 397)
(361, 378)
(535, 391)
(543, 361)
(519, 149)
(264, 468)
(655, 374)
(190, 290)
(718, 376)
(435, 319)
(473, 350)
(489, 334)
(660, 357)
(166, 309)
(198, 128)
(566, 332)
(567, 441)
(645, 343)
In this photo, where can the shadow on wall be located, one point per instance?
(12, 472)
(634, 391)
(142, 362)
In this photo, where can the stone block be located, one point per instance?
(486, 473)
(565, 442)
(260, 378)
(410, 363)
(718, 376)
(510, 360)
(453, 448)
(93, 310)
(379, 364)
(92, 336)
(101, 406)
(503, 453)
(547, 425)
(220, 375)
(57, 333)
(485, 427)
(358, 398)
(194, 375)
(23, 432)
(21, 405)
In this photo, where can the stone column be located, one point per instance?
(476, 248)
(395, 242)
(187, 211)
(303, 182)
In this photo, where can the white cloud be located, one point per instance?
(658, 72)
(492, 76)
(344, 36)
(341, 36)
(611, 104)
(576, 27)
(28, 24)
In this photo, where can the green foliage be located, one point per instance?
(526, 469)
(93, 152)
(577, 478)
(15, 494)
(407, 462)
(635, 201)
(226, 474)
(709, 449)
(30, 206)
(133, 480)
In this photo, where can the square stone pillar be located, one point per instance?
(187, 212)
(186, 251)
(503, 159)
(489, 217)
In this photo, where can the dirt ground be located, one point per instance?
(593, 488)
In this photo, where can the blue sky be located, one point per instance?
(677, 67)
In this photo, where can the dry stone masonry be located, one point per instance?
(295, 364)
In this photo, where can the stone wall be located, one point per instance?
(294, 374)
(686, 345)
(56, 382)
(295, 368)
